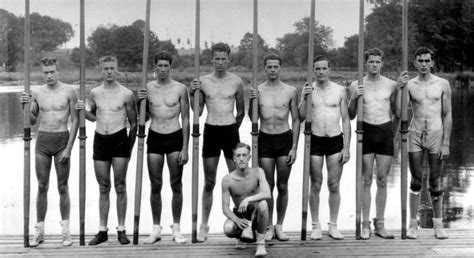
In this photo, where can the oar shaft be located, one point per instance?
(82, 130)
(195, 133)
(255, 85)
(141, 128)
(27, 133)
(307, 130)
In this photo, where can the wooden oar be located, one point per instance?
(307, 125)
(360, 120)
(26, 133)
(141, 128)
(255, 86)
(195, 134)
(82, 131)
(404, 122)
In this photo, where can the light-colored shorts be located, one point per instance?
(429, 140)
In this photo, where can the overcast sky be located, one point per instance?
(221, 20)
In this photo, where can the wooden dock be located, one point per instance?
(460, 243)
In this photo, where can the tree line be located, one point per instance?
(446, 26)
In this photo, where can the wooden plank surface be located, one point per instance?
(460, 243)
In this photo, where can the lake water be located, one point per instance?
(457, 179)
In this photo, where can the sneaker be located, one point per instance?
(438, 229)
(317, 234)
(38, 238)
(270, 234)
(177, 236)
(99, 238)
(122, 237)
(66, 238)
(412, 232)
(379, 229)
(333, 232)
(240, 245)
(279, 234)
(202, 235)
(365, 232)
(154, 236)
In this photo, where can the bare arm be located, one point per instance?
(239, 104)
(354, 96)
(34, 109)
(263, 194)
(226, 200)
(183, 156)
(91, 115)
(346, 127)
(131, 109)
(196, 85)
(302, 106)
(447, 121)
(74, 125)
(295, 127)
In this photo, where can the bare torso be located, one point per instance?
(54, 107)
(426, 101)
(326, 112)
(377, 100)
(165, 106)
(110, 104)
(220, 96)
(242, 187)
(274, 107)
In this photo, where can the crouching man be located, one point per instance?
(249, 190)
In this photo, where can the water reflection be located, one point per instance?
(457, 179)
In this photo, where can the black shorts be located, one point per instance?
(325, 145)
(162, 144)
(219, 137)
(113, 145)
(378, 139)
(50, 144)
(274, 145)
(247, 214)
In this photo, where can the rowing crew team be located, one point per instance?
(251, 189)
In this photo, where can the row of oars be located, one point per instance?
(195, 131)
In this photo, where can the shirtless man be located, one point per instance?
(111, 105)
(277, 143)
(429, 131)
(249, 190)
(379, 116)
(53, 104)
(220, 91)
(167, 100)
(328, 109)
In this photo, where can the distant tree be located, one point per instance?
(293, 47)
(243, 56)
(91, 59)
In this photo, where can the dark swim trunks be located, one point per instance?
(51, 143)
(113, 145)
(378, 139)
(219, 137)
(247, 215)
(325, 145)
(162, 144)
(274, 145)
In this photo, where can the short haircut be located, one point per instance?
(48, 61)
(241, 145)
(424, 50)
(373, 52)
(163, 55)
(220, 47)
(321, 58)
(272, 56)
(106, 59)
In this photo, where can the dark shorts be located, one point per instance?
(110, 146)
(247, 215)
(162, 144)
(378, 139)
(50, 144)
(274, 145)
(324, 145)
(219, 137)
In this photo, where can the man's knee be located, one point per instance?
(316, 185)
(63, 189)
(209, 185)
(262, 207)
(121, 188)
(415, 187)
(333, 187)
(382, 182)
(43, 187)
(282, 188)
(156, 187)
(230, 229)
(367, 179)
(177, 187)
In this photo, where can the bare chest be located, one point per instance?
(52, 101)
(163, 98)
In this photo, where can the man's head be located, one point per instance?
(242, 155)
(272, 63)
(220, 53)
(163, 61)
(108, 68)
(424, 60)
(50, 70)
(374, 60)
(321, 68)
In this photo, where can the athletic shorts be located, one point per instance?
(378, 139)
(247, 215)
(219, 137)
(325, 145)
(110, 146)
(425, 140)
(162, 144)
(50, 144)
(274, 145)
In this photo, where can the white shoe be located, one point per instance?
(66, 238)
(317, 234)
(203, 232)
(240, 245)
(270, 234)
(177, 237)
(412, 232)
(154, 236)
(333, 232)
(38, 238)
(438, 229)
(260, 245)
(279, 234)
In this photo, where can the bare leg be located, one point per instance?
(334, 166)
(383, 169)
(436, 167)
(120, 166)
(176, 173)
(155, 171)
(102, 174)
(43, 168)
(367, 175)
(62, 172)
(268, 166)
(316, 176)
(210, 171)
(416, 169)
(283, 174)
